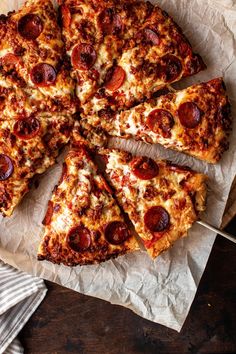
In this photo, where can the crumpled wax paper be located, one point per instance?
(161, 290)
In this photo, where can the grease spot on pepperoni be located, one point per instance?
(189, 115)
(6, 167)
(110, 22)
(66, 16)
(83, 56)
(79, 238)
(26, 128)
(116, 232)
(115, 78)
(10, 59)
(171, 67)
(144, 168)
(160, 121)
(30, 26)
(157, 219)
(43, 74)
(151, 36)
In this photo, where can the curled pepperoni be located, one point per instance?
(26, 128)
(189, 115)
(110, 22)
(115, 78)
(79, 238)
(6, 167)
(151, 36)
(161, 122)
(171, 67)
(83, 56)
(157, 219)
(10, 59)
(66, 16)
(116, 232)
(43, 74)
(30, 26)
(144, 168)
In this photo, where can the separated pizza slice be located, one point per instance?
(32, 56)
(83, 223)
(28, 146)
(123, 51)
(196, 121)
(162, 200)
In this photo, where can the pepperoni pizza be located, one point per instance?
(162, 200)
(196, 121)
(36, 98)
(28, 146)
(123, 51)
(83, 223)
(32, 58)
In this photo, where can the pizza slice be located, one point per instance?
(32, 57)
(83, 223)
(28, 146)
(195, 120)
(123, 51)
(162, 200)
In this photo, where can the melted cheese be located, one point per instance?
(169, 193)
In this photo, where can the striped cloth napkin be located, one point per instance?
(20, 295)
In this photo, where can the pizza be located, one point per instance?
(28, 146)
(122, 52)
(83, 223)
(102, 62)
(162, 200)
(37, 100)
(195, 120)
(32, 58)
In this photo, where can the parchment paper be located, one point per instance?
(161, 290)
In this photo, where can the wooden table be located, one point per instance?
(67, 322)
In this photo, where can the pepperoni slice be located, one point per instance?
(110, 22)
(151, 36)
(64, 173)
(48, 217)
(66, 16)
(161, 122)
(79, 238)
(10, 59)
(115, 78)
(189, 115)
(83, 56)
(116, 232)
(157, 219)
(144, 168)
(43, 74)
(6, 167)
(26, 128)
(30, 26)
(171, 67)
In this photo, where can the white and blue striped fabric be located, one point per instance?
(20, 295)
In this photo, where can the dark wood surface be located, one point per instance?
(67, 322)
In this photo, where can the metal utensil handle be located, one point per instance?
(222, 233)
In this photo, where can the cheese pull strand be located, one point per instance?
(222, 233)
